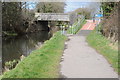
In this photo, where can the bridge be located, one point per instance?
(52, 16)
(43, 19)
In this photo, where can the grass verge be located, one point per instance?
(76, 27)
(41, 63)
(102, 45)
(0, 77)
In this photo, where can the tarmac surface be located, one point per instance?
(81, 61)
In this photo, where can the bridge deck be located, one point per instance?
(52, 16)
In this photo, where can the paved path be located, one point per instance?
(82, 61)
(89, 25)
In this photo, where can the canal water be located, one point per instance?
(14, 47)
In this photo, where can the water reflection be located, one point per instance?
(14, 47)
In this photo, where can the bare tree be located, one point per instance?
(15, 15)
(50, 7)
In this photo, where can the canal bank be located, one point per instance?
(15, 47)
(41, 63)
(54, 49)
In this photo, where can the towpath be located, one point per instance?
(82, 61)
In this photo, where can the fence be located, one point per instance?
(76, 26)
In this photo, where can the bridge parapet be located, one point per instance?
(52, 16)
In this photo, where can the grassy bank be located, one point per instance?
(41, 63)
(76, 27)
(103, 46)
(0, 77)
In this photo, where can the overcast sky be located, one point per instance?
(71, 6)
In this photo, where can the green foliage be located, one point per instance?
(102, 45)
(41, 63)
(0, 77)
(110, 21)
(107, 7)
(11, 64)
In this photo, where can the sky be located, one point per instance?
(71, 6)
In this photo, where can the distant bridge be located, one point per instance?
(52, 17)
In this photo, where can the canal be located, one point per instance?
(14, 47)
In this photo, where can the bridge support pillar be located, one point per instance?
(43, 25)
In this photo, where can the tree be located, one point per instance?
(15, 15)
(11, 14)
(110, 20)
(107, 7)
(50, 7)
(84, 11)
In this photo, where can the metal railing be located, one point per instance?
(76, 26)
